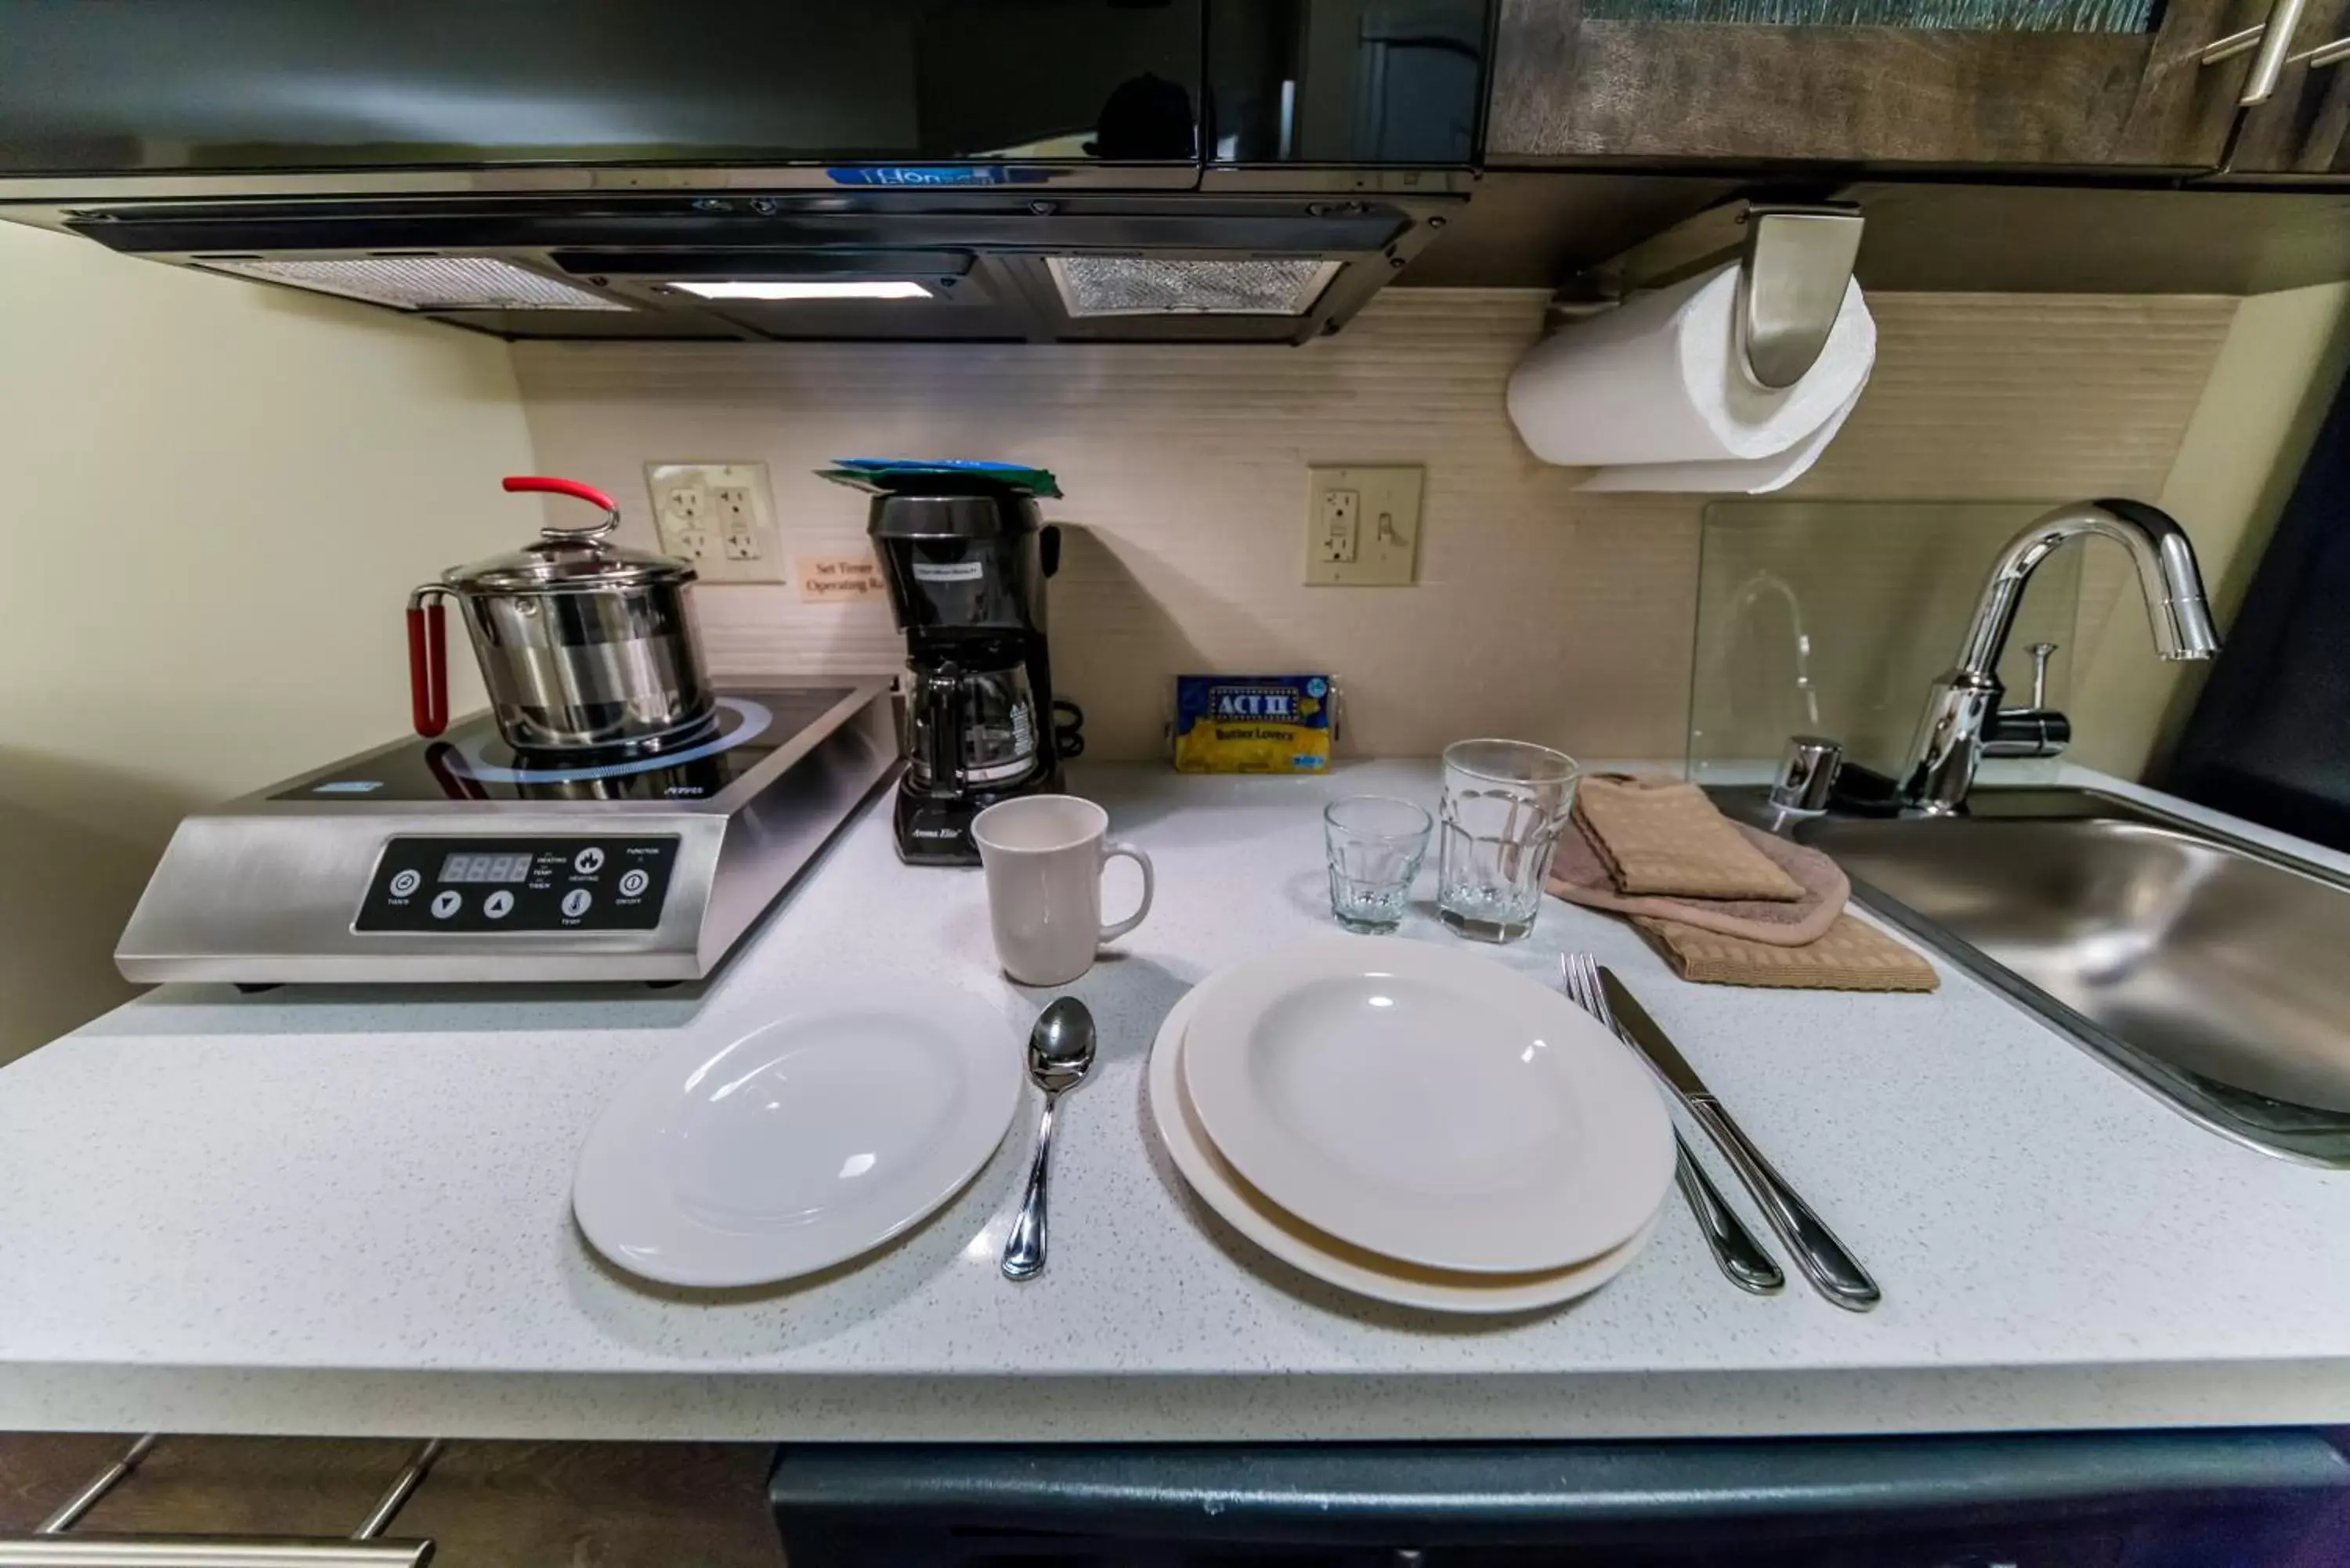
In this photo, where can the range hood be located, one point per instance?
(1231, 171)
(718, 260)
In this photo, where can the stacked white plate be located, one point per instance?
(1414, 1124)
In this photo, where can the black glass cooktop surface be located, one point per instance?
(471, 761)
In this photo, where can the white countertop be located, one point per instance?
(337, 1210)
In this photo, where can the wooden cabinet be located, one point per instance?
(1632, 78)
(2306, 127)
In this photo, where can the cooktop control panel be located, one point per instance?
(480, 884)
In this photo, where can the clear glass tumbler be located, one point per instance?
(1376, 844)
(1505, 803)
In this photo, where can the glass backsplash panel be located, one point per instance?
(1932, 15)
(1832, 618)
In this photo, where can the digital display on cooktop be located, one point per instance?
(471, 761)
(485, 868)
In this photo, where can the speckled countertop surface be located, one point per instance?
(341, 1211)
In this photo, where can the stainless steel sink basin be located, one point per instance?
(2213, 972)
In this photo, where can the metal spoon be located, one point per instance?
(1060, 1052)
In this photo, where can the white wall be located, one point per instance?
(217, 495)
(1540, 611)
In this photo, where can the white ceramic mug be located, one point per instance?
(1044, 856)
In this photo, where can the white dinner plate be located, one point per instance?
(838, 1121)
(1428, 1105)
(1326, 1257)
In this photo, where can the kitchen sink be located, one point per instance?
(2213, 972)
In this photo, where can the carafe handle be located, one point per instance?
(428, 660)
(943, 698)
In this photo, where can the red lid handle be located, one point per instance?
(553, 486)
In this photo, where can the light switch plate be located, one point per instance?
(1362, 525)
(719, 515)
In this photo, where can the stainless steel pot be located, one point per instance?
(584, 645)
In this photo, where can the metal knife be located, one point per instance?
(1834, 1272)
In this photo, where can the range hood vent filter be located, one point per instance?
(1151, 285)
(423, 283)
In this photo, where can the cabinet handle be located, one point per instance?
(2324, 54)
(209, 1551)
(52, 1546)
(2272, 39)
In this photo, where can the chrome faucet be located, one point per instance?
(1962, 710)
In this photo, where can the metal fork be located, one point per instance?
(1741, 1257)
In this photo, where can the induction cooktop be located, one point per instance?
(471, 762)
(460, 858)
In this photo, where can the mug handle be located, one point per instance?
(1111, 852)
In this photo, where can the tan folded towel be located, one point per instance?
(1579, 875)
(1853, 956)
(1663, 838)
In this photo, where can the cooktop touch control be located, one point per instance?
(478, 884)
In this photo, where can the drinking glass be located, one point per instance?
(1376, 844)
(1505, 803)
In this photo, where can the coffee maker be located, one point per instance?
(966, 559)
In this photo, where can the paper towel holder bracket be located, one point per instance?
(1792, 277)
(1794, 262)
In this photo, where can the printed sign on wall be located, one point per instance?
(837, 579)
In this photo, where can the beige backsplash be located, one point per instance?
(1539, 613)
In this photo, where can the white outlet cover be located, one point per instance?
(693, 525)
(1386, 524)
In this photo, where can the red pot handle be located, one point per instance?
(428, 665)
(553, 486)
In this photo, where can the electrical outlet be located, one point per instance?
(719, 515)
(1342, 538)
(1363, 525)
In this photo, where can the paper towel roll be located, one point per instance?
(1654, 380)
(1733, 476)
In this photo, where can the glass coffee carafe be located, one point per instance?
(969, 729)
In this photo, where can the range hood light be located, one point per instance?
(877, 288)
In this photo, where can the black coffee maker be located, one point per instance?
(965, 558)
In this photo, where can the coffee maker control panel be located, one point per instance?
(477, 884)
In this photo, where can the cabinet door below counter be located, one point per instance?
(2050, 84)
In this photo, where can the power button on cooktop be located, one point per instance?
(633, 882)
